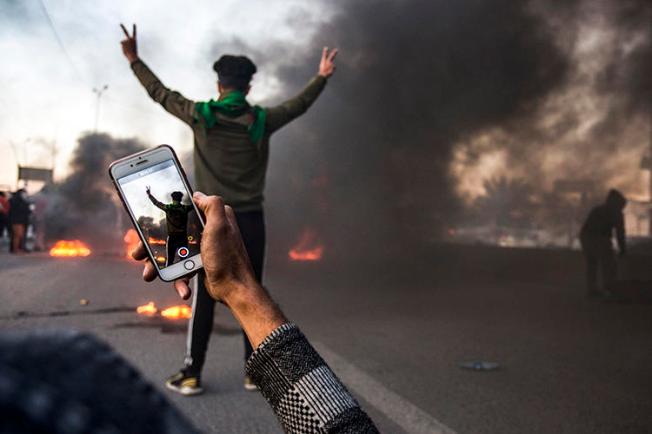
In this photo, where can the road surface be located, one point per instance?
(395, 334)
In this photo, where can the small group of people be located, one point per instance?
(231, 152)
(15, 212)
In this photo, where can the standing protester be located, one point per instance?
(595, 237)
(176, 221)
(4, 213)
(18, 219)
(231, 151)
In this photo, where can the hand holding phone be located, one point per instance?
(225, 259)
(158, 198)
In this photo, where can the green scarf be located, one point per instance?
(233, 104)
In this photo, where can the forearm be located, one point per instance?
(301, 389)
(620, 236)
(310, 93)
(280, 115)
(256, 312)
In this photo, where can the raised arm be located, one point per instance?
(171, 100)
(156, 203)
(282, 114)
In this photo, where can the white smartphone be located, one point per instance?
(155, 191)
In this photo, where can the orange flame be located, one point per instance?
(307, 249)
(153, 240)
(181, 311)
(68, 248)
(148, 309)
(131, 240)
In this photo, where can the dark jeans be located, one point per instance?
(600, 258)
(4, 223)
(175, 241)
(252, 229)
(17, 234)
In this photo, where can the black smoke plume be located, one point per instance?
(596, 125)
(370, 165)
(370, 162)
(85, 204)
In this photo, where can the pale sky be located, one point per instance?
(162, 184)
(47, 87)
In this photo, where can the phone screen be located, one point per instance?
(163, 210)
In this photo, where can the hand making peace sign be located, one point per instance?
(327, 63)
(129, 45)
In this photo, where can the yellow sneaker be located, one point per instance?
(184, 383)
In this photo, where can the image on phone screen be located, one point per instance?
(163, 210)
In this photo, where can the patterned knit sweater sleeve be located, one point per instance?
(304, 393)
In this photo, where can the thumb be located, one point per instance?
(200, 200)
(211, 206)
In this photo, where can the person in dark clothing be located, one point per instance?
(4, 213)
(595, 238)
(231, 152)
(18, 220)
(176, 220)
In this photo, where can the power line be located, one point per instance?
(59, 40)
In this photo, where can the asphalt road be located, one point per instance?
(395, 335)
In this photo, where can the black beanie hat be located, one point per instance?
(234, 71)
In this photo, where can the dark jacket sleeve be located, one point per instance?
(282, 114)
(620, 233)
(171, 100)
(304, 393)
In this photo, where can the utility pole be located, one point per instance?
(98, 92)
(54, 151)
